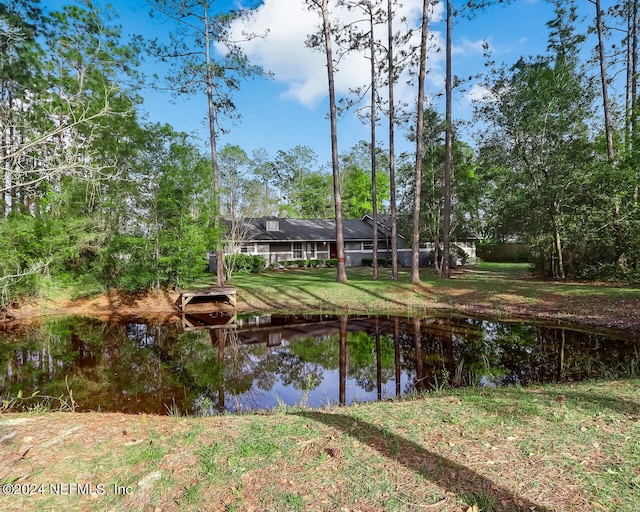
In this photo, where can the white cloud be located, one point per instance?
(283, 51)
(479, 93)
(467, 47)
(287, 24)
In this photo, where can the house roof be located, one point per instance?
(313, 230)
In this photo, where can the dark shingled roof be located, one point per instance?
(314, 230)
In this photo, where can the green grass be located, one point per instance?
(567, 447)
(500, 290)
(483, 278)
(490, 289)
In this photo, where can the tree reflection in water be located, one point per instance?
(160, 368)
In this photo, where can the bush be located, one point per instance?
(258, 263)
(382, 262)
(521, 257)
(298, 263)
(244, 263)
(460, 254)
(332, 262)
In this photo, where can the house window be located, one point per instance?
(248, 249)
(297, 250)
(367, 246)
(311, 249)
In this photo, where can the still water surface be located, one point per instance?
(264, 361)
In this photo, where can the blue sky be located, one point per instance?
(291, 108)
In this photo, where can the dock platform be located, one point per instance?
(225, 295)
(209, 320)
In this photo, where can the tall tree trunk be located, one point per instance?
(214, 152)
(4, 173)
(448, 153)
(4, 153)
(629, 80)
(342, 274)
(634, 74)
(558, 243)
(12, 177)
(374, 190)
(392, 163)
(415, 257)
(603, 78)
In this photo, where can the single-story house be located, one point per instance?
(281, 239)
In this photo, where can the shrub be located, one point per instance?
(258, 263)
(243, 263)
(382, 262)
(460, 254)
(299, 263)
(332, 262)
(289, 263)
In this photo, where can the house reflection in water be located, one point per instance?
(210, 363)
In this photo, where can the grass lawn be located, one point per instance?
(570, 447)
(555, 448)
(504, 291)
(498, 290)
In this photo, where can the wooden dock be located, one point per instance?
(210, 320)
(225, 295)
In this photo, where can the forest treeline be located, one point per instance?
(95, 197)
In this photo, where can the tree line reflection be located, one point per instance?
(260, 362)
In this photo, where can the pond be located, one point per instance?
(207, 364)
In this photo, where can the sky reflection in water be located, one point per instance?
(265, 361)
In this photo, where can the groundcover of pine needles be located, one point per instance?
(565, 447)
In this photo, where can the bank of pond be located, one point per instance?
(210, 364)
